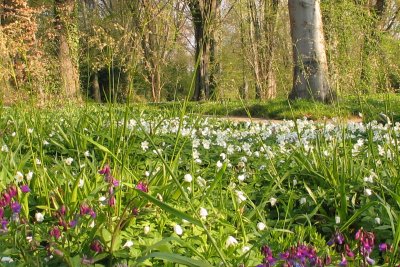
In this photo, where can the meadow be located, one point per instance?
(127, 186)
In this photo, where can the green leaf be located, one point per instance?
(175, 258)
(169, 209)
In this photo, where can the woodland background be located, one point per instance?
(141, 50)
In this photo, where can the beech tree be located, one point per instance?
(310, 72)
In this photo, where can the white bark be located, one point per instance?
(310, 78)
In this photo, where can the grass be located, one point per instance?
(369, 106)
(231, 188)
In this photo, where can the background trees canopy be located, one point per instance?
(161, 50)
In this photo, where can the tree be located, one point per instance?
(153, 22)
(205, 15)
(310, 75)
(68, 45)
(262, 21)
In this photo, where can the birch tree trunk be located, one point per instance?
(310, 74)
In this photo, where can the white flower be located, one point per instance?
(231, 241)
(81, 183)
(303, 200)
(145, 145)
(45, 143)
(219, 164)
(223, 156)
(30, 130)
(241, 177)
(261, 226)
(294, 182)
(273, 201)
(128, 244)
(188, 178)
(68, 161)
(203, 213)
(39, 217)
(87, 153)
(92, 224)
(240, 196)
(19, 177)
(146, 229)
(147, 173)
(38, 162)
(337, 219)
(102, 198)
(7, 259)
(367, 191)
(378, 220)
(4, 148)
(13, 134)
(245, 249)
(178, 229)
(29, 175)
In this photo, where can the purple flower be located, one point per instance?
(343, 261)
(339, 238)
(111, 201)
(16, 207)
(96, 246)
(349, 252)
(115, 182)
(25, 188)
(55, 232)
(73, 223)
(383, 247)
(370, 261)
(142, 186)
(12, 191)
(106, 170)
(135, 211)
(63, 210)
(4, 224)
(85, 209)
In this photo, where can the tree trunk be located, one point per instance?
(68, 48)
(96, 87)
(310, 75)
(204, 16)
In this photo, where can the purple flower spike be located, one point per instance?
(25, 188)
(16, 207)
(349, 253)
(12, 191)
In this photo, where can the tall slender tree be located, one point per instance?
(262, 16)
(310, 74)
(205, 14)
